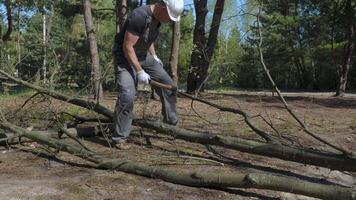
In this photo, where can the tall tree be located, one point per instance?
(121, 13)
(89, 27)
(175, 52)
(203, 49)
(44, 37)
(6, 36)
(344, 67)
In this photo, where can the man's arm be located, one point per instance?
(152, 51)
(129, 42)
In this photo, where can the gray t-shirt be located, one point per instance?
(140, 23)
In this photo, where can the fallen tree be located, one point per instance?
(195, 179)
(306, 156)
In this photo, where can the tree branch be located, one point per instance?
(306, 156)
(290, 111)
(196, 178)
(246, 117)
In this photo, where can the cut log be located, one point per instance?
(197, 179)
(306, 156)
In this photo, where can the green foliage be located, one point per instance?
(297, 45)
(185, 46)
(303, 42)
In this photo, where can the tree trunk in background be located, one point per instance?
(344, 67)
(44, 34)
(175, 52)
(18, 43)
(202, 51)
(6, 36)
(95, 72)
(201, 10)
(153, 96)
(49, 28)
(121, 14)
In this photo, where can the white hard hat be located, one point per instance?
(174, 8)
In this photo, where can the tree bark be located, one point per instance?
(198, 52)
(202, 51)
(6, 36)
(95, 72)
(306, 156)
(344, 67)
(44, 37)
(18, 43)
(312, 157)
(121, 14)
(196, 179)
(175, 52)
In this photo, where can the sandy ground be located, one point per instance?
(30, 172)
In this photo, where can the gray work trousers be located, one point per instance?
(126, 80)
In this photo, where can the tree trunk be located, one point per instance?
(121, 14)
(95, 72)
(344, 67)
(49, 28)
(44, 35)
(202, 51)
(18, 43)
(317, 158)
(306, 156)
(196, 178)
(6, 36)
(198, 52)
(175, 52)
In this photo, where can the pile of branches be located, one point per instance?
(343, 160)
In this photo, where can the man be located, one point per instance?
(136, 61)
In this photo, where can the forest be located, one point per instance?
(265, 95)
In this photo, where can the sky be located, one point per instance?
(188, 4)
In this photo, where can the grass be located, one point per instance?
(353, 124)
(288, 126)
(73, 191)
(24, 92)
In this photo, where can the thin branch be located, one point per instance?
(65, 131)
(246, 117)
(290, 111)
(196, 178)
(28, 100)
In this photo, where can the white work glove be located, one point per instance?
(157, 59)
(143, 77)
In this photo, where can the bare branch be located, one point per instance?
(196, 178)
(290, 111)
(246, 117)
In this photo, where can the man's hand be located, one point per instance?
(157, 59)
(143, 77)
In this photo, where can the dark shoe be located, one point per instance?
(170, 122)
